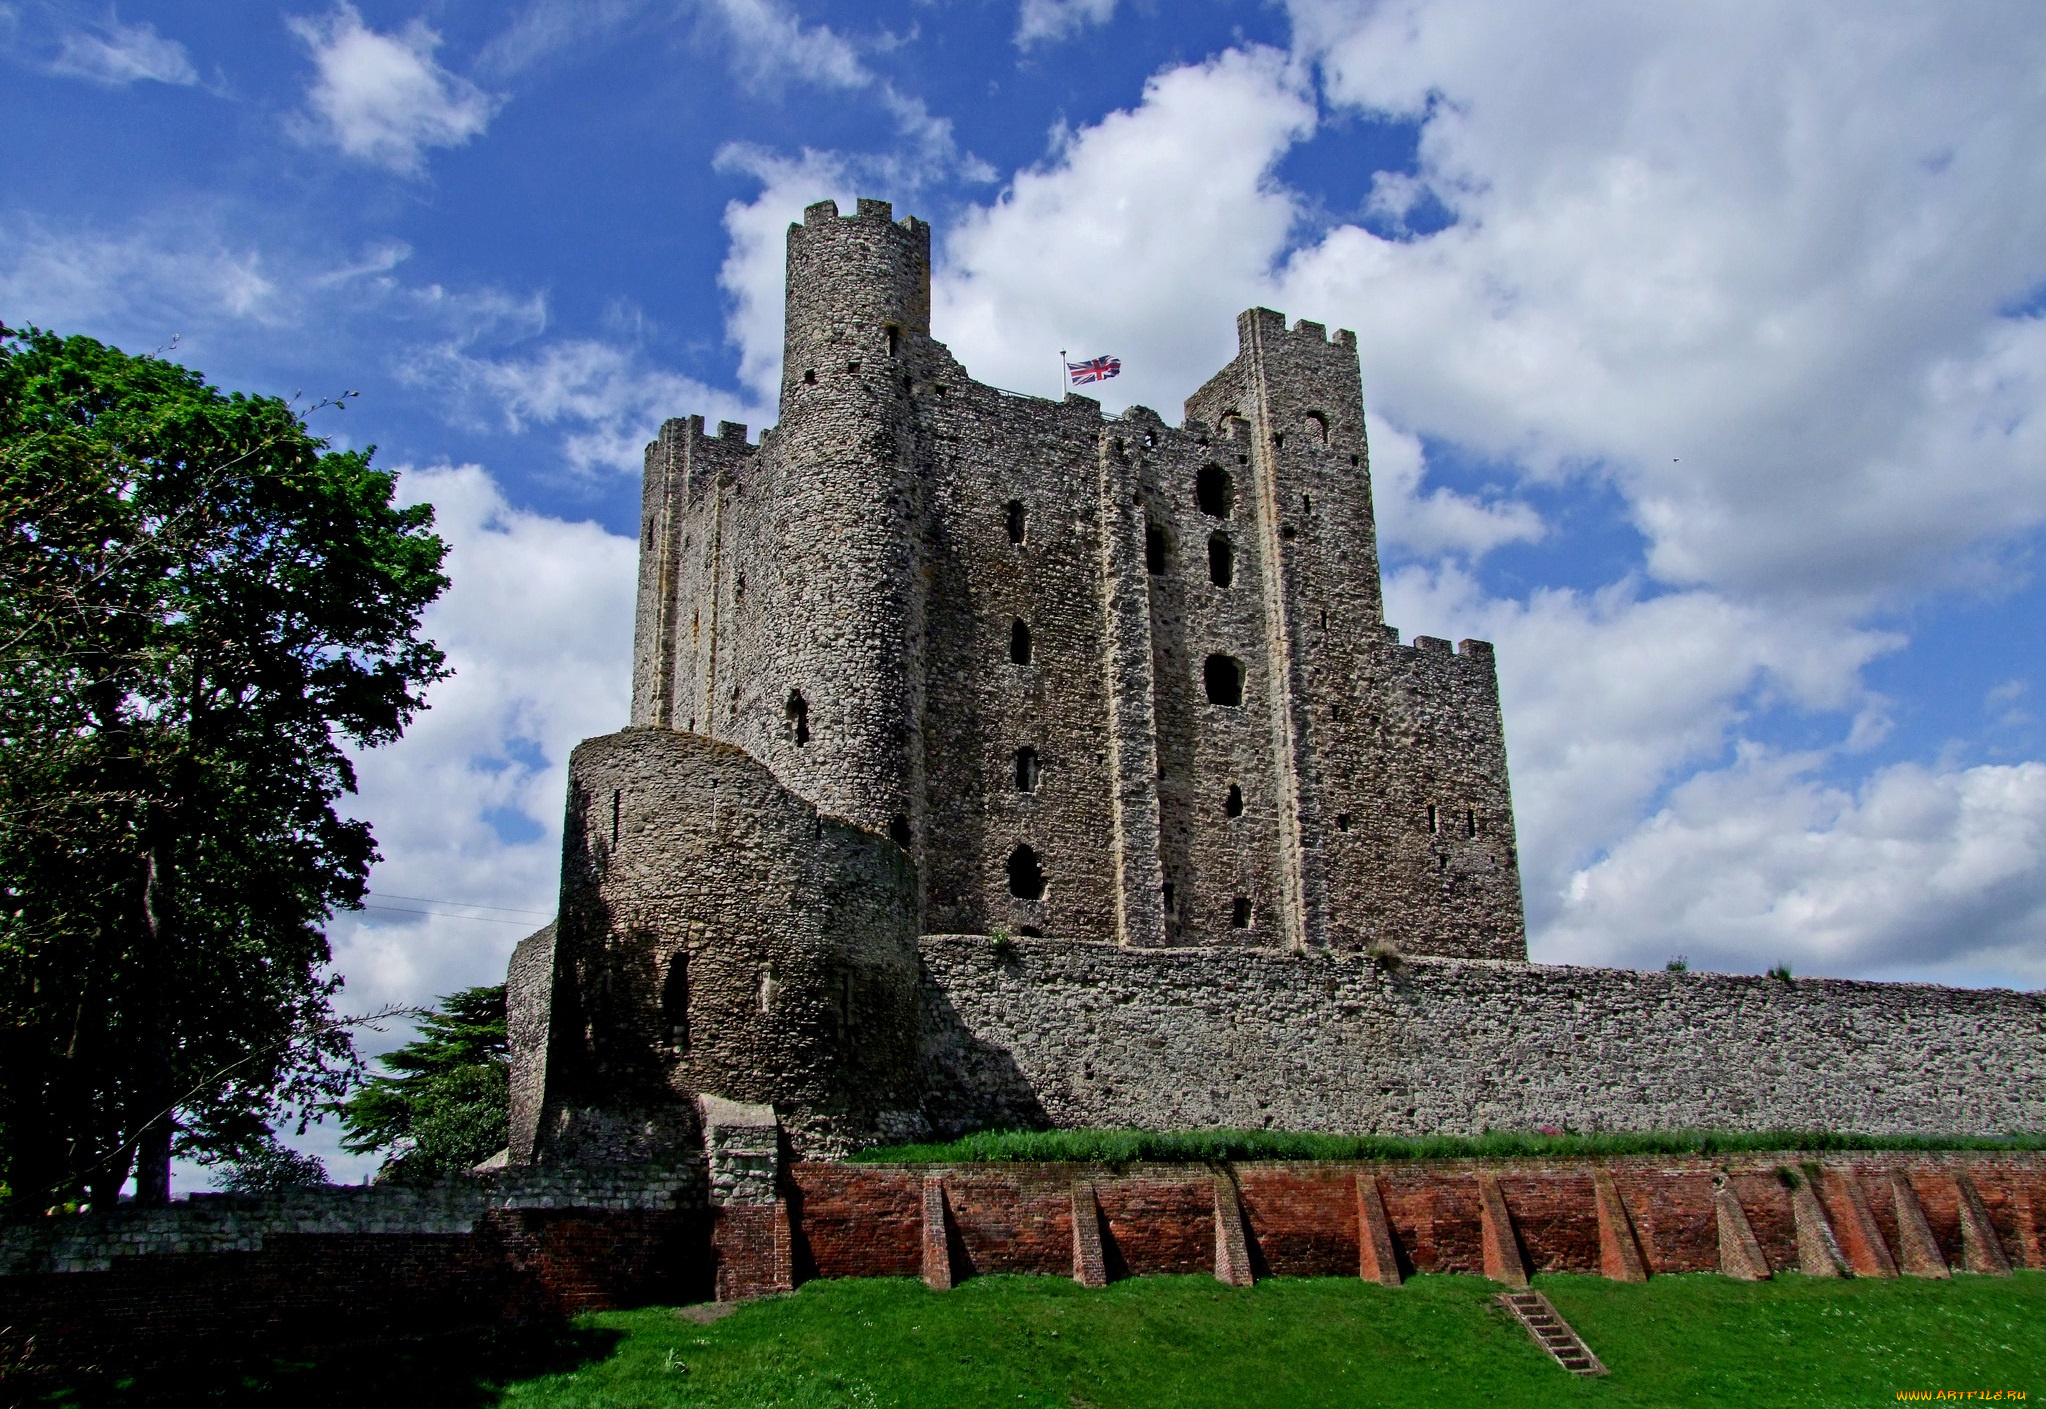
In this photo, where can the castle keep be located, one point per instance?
(1101, 678)
(993, 761)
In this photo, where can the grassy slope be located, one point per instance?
(1187, 1342)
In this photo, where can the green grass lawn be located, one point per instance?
(1187, 1341)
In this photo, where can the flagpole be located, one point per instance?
(1065, 375)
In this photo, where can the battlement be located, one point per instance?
(1468, 649)
(1269, 325)
(826, 211)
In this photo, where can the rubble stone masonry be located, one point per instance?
(996, 762)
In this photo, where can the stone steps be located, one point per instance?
(1551, 1332)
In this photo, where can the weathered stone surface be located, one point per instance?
(915, 578)
(934, 671)
(1100, 1035)
(718, 933)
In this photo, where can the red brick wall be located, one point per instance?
(1301, 1218)
(841, 1220)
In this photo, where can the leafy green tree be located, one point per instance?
(202, 607)
(446, 1107)
(270, 1168)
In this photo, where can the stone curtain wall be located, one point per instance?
(1067, 1034)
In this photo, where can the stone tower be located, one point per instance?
(1092, 679)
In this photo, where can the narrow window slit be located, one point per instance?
(1232, 806)
(1221, 560)
(1017, 517)
(1434, 821)
(898, 831)
(675, 1001)
(1214, 491)
(1239, 913)
(1026, 874)
(617, 806)
(1026, 769)
(1019, 642)
(1223, 677)
(798, 712)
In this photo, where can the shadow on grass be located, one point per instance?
(457, 1370)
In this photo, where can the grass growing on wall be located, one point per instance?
(1118, 1147)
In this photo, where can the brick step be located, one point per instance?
(1547, 1328)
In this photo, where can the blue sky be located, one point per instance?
(1703, 347)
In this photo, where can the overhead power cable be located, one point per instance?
(446, 915)
(461, 904)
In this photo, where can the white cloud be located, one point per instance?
(1047, 21)
(537, 626)
(118, 54)
(383, 98)
(1141, 236)
(154, 277)
(612, 403)
(1913, 872)
(774, 47)
(1767, 307)
(1439, 521)
(1611, 696)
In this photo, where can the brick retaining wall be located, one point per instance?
(218, 1277)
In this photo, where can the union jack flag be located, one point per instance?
(1095, 369)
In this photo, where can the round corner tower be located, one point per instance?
(834, 704)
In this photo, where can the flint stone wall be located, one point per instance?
(1073, 1034)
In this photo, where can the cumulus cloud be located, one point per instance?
(1773, 316)
(1769, 308)
(1047, 21)
(117, 54)
(467, 807)
(1912, 872)
(608, 400)
(1142, 235)
(1438, 521)
(384, 98)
